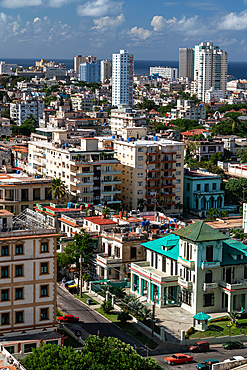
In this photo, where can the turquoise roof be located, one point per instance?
(231, 248)
(201, 316)
(169, 242)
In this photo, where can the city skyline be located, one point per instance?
(64, 28)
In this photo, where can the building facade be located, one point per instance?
(21, 110)
(186, 63)
(151, 173)
(28, 276)
(210, 69)
(124, 116)
(196, 267)
(166, 72)
(122, 78)
(105, 70)
(89, 72)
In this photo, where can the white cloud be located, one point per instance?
(19, 3)
(108, 22)
(234, 21)
(139, 33)
(158, 22)
(58, 3)
(99, 8)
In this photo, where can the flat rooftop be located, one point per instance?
(226, 222)
(20, 179)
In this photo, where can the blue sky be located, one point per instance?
(150, 29)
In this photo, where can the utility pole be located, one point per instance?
(153, 316)
(81, 274)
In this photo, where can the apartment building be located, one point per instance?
(187, 109)
(124, 116)
(88, 171)
(89, 72)
(210, 69)
(122, 78)
(21, 110)
(80, 59)
(28, 275)
(82, 102)
(196, 267)
(165, 72)
(105, 70)
(20, 191)
(151, 173)
(186, 63)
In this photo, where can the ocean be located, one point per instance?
(141, 67)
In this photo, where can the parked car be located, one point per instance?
(205, 365)
(68, 318)
(178, 358)
(233, 344)
(234, 358)
(201, 346)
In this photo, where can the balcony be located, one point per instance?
(104, 259)
(168, 177)
(151, 187)
(167, 203)
(168, 169)
(186, 263)
(111, 192)
(238, 285)
(111, 182)
(153, 170)
(84, 173)
(152, 178)
(209, 265)
(168, 153)
(144, 268)
(151, 162)
(209, 286)
(168, 161)
(153, 153)
(168, 186)
(84, 183)
(111, 172)
(185, 284)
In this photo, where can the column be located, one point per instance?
(229, 309)
(142, 283)
(106, 273)
(149, 291)
(132, 282)
(152, 292)
(199, 203)
(175, 294)
(165, 295)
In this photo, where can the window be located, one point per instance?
(188, 187)
(209, 277)
(117, 252)
(164, 264)
(5, 250)
(214, 186)
(178, 173)
(19, 270)
(5, 271)
(209, 253)
(178, 181)
(140, 150)
(140, 183)
(140, 166)
(178, 156)
(208, 300)
(44, 314)
(29, 346)
(44, 291)
(206, 187)
(139, 192)
(5, 318)
(11, 349)
(178, 164)
(5, 295)
(177, 189)
(140, 174)
(133, 252)
(198, 187)
(19, 293)
(186, 296)
(19, 249)
(19, 317)
(245, 272)
(140, 158)
(44, 268)
(177, 197)
(44, 247)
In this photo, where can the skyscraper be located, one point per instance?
(106, 70)
(89, 72)
(122, 78)
(210, 69)
(77, 61)
(186, 63)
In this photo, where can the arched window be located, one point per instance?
(209, 253)
(209, 277)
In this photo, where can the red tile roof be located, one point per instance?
(100, 221)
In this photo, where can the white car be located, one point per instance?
(234, 358)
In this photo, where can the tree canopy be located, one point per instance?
(235, 189)
(28, 126)
(102, 354)
(230, 127)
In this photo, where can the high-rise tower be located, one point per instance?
(210, 69)
(186, 63)
(122, 78)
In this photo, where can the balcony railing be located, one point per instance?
(144, 268)
(209, 286)
(106, 260)
(187, 263)
(238, 285)
(209, 265)
(186, 284)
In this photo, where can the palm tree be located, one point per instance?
(136, 306)
(58, 188)
(233, 316)
(145, 313)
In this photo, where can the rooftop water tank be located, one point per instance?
(18, 172)
(129, 138)
(66, 145)
(113, 136)
(122, 139)
(155, 138)
(70, 205)
(147, 222)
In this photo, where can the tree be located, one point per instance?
(123, 316)
(212, 214)
(145, 313)
(234, 190)
(243, 155)
(106, 211)
(105, 353)
(58, 188)
(107, 307)
(141, 203)
(61, 101)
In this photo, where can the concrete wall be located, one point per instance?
(228, 365)
(216, 340)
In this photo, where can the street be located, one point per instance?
(94, 323)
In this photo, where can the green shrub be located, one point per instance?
(107, 307)
(189, 332)
(124, 316)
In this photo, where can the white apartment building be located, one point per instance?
(21, 110)
(151, 173)
(88, 172)
(82, 102)
(105, 70)
(166, 72)
(196, 267)
(6, 68)
(213, 94)
(210, 69)
(28, 274)
(122, 78)
(55, 71)
(187, 109)
(124, 116)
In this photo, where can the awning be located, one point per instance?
(73, 286)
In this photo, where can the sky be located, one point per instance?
(150, 29)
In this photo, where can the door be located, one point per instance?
(209, 277)
(209, 253)
(109, 250)
(228, 275)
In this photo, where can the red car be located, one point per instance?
(178, 358)
(68, 318)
